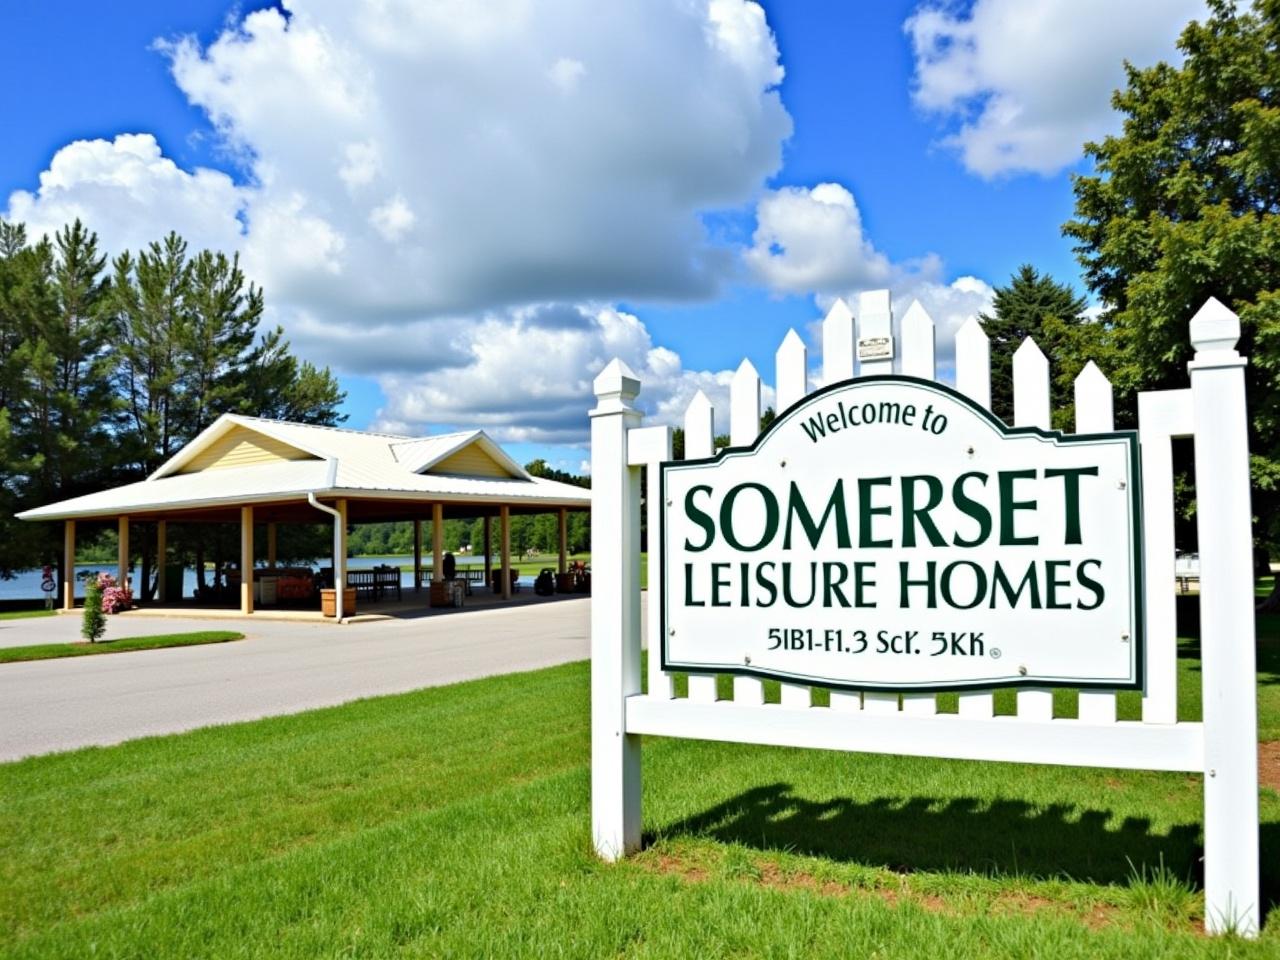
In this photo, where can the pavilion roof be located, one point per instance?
(246, 460)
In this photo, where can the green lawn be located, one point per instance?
(26, 614)
(454, 822)
(52, 651)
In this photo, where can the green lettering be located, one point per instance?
(770, 516)
(971, 508)
(866, 511)
(911, 514)
(796, 509)
(1009, 506)
(703, 520)
(1071, 492)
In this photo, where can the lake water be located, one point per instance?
(27, 584)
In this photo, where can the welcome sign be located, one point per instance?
(887, 532)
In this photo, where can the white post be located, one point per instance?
(1227, 631)
(340, 560)
(615, 614)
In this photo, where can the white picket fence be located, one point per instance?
(1222, 745)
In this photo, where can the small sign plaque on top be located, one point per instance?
(875, 348)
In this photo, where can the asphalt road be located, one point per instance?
(51, 705)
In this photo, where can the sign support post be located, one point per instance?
(1226, 624)
(615, 614)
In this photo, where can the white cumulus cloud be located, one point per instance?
(131, 194)
(811, 241)
(1024, 85)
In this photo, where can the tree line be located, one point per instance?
(109, 365)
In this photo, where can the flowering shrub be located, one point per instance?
(114, 597)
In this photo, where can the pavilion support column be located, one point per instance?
(505, 519)
(417, 556)
(488, 550)
(271, 545)
(340, 560)
(69, 565)
(246, 560)
(162, 554)
(564, 540)
(122, 554)
(437, 542)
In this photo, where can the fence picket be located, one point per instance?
(1095, 413)
(918, 340)
(837, 344)
(1031, 409)
(699, 440)
(791, 364)
(973, 379)
(875, 319)
(744, 427)
(837, 365)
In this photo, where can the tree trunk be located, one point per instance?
(1271, 603)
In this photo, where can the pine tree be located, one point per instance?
(1020, 310)
(93, 623)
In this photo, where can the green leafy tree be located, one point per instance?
(1184, 205)
(1020, 310)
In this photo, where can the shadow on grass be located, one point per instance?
(1001, 838)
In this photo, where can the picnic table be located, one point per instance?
(375, 582)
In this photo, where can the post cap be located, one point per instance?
(1215, 328)
(617, 379)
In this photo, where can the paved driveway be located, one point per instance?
(50, 705)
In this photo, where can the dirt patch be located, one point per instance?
(1269, 765)
(770, 874)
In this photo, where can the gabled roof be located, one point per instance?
(289, 460)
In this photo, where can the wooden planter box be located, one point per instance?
(329, 602)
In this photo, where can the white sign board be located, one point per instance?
(889, 533)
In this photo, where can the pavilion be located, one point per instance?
(253, 470)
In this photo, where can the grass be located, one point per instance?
(53, 651)
(26, 614)
(455, 822)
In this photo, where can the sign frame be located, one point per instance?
(1136, 571)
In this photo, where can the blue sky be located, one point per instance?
(660, 198)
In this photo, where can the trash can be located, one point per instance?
(267, 590)
(173, 577)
